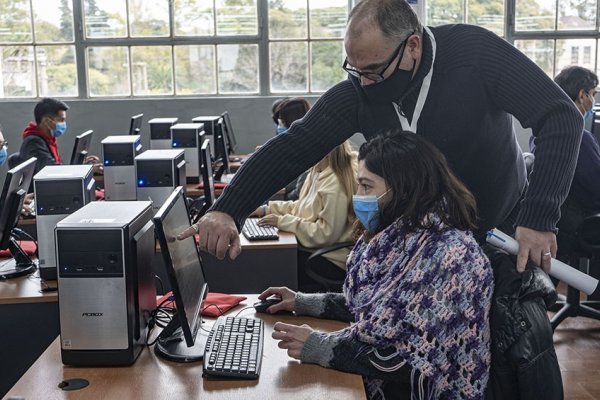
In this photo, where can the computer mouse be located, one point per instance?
(261, 306)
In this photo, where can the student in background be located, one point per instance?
(3, 149)
(40, 137)
(322, 215)
(419, 287)
(584, 195)
(285, 112)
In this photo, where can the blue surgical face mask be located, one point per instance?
(59, 129)
(366, 209)
(3, 155)
(590, 113)
(280, 130)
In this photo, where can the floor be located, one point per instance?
(577, 344)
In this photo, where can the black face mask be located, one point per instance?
(391, 88)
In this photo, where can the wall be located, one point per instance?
(250, 117)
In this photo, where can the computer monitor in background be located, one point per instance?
(207, 176)
(81, 147)
(231, 141)
(184, 268)
(221, 160)
(135, 126)
(13, 194)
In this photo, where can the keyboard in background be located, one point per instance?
(252, 231)
(234, 348)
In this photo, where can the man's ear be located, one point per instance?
(581, 95)
(414, 44)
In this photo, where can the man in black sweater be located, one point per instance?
(457, 85)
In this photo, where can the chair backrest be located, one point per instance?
(13, 160)
(589, 233)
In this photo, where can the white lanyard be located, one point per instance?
(422, 94)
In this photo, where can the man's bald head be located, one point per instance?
(394, 18)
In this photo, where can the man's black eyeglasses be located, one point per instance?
(375, 76)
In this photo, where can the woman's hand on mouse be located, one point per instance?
(287, 296)
(291, 337)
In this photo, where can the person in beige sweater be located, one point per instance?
(322, 215)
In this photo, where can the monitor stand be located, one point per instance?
(20, 265)
(171, 344)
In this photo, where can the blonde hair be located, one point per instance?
(343, 161)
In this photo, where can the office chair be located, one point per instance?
(13, 160)
(588, 251)
(328, 284)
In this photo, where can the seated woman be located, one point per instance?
(322, 216)
(418, 289)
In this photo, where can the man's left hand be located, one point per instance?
(291, 337)
(538, 246)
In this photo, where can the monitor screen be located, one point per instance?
(81, 147)
(135, 126)
(184, 268)
(221, 155)
(13, 194)
(231, 141)
(207, 175)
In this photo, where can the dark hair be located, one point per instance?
(275, 109)
(420, 181)
(291, 109)
(395, 18)
(48, 106)
(572, 79)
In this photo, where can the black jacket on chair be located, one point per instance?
(524, 363)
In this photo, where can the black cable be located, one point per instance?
(162, 287)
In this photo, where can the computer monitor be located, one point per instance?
(13, 194)
(81, 147)
(221, 159)
(207, 176)
(231, 141)
(184, 269)
(135, 126)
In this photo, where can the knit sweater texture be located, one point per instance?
(479, 80)
(420, 305)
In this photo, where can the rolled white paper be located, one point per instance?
(558, 269)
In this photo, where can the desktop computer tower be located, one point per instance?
(118, 153)
(158, 173)
(106, 282)
(189, 137)
(59, 191)
(160, 132)
(210, 123)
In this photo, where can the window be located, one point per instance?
(557, 33)
(485, 13)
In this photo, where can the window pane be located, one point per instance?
(149, 18)
(18, 76)
(15, 21)
(108, 71)
(105, 18)
(540, 52)
(53, 20)
(328, 18)
(327, 59)
(287, 19)
(441, 12)
(152, 70)
(576, 14)
(57, 71)
(488, 14)
(289, 67)
(236, 17)
(238, 68)
(572, 52)
(534, 15)
(194, 18)
(195, 70)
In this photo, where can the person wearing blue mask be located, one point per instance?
(40, 137)
(417, 281)
(584, 195)
(3, 149)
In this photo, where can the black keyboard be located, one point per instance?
(254, 232)
(234, 348)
